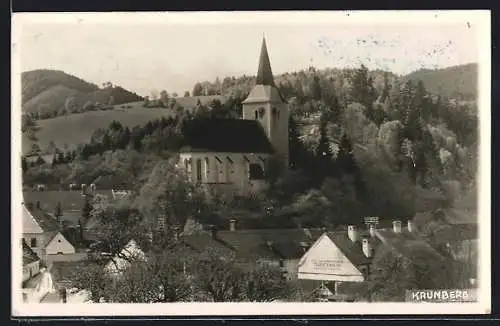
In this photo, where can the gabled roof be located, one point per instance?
(30, 225)
(225, 135)
(353, 250)
(46, 222)
(29, 256)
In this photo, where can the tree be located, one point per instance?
(217, 276)
(58, 211)
(164, 98)
(264, 283)
(171, 269)
(90, 277)
(87, 208)
(118, 223)
(197, 89)
(392, 273)
(168, 192)
(362, 90)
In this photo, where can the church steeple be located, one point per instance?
(264, 73)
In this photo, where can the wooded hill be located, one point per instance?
(51, 93)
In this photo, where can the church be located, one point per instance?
(231, 155)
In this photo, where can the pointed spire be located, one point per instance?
(264, 74)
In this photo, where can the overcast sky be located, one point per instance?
(142, 55)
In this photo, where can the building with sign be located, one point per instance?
(337, 258)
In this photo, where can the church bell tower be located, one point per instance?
(266, 105)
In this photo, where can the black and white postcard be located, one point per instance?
(251, 163)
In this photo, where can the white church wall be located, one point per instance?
(233, 168)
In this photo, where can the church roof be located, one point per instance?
(225, 135)
(264, 72)
(265, 89)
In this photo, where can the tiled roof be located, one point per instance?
(30, 225)
(44, 220)
(353, 250)
(225, 135)
(269, 243)
(29, 256)
(257, 244)
(406, 242)
(200, 242)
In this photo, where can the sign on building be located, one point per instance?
(325, 261)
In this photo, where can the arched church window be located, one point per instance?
(198, 169)
(207, 168)
(261, 112)
(256, 172)
(256, 115)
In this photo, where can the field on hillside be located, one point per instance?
(77, 128)
(70, 200)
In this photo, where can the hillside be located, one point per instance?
(37, 81)
(458, 82)
(50, 99)
(45, 93)
(77, 128)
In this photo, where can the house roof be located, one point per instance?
(405, 242)
(225, 135)
(29, 256)
(269, 243)
(353, 250)
(30, 225)
(46, 222)
(257, 243)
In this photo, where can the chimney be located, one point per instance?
(232, 225)
(396, 226)
(352, 233)
(410, 226)
(367, 248)
(372, 228)
(38, 205)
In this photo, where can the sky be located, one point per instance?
(142, 53)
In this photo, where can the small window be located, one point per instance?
(256, 115)
(33, 242)
(58, 240)
(282, 263)
(256, 172)
(60, 253)
(198, 169)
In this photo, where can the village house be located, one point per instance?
(42, 233)
(31, 262)
(340, 260)
(231, 155)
